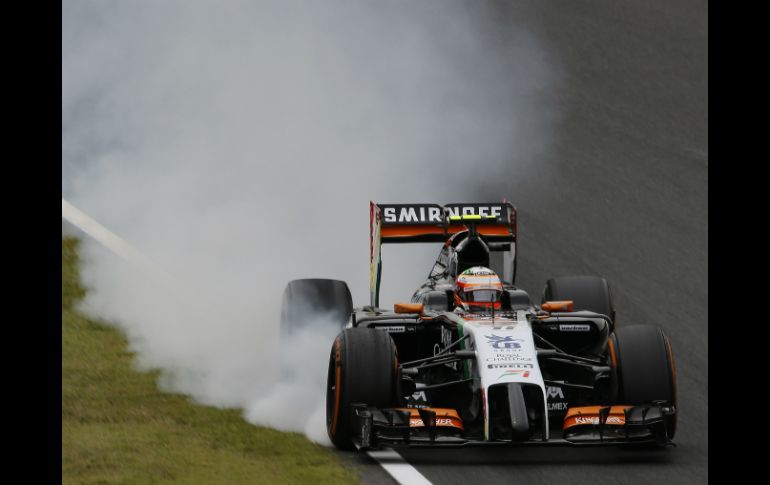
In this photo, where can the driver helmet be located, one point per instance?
(478, 287)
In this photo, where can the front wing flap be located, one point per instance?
(617, 424)
(592, 425)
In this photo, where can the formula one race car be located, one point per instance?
(471, 360)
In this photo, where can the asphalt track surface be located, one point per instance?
(623, 194)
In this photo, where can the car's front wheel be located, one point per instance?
(644, 368)
(363, 368)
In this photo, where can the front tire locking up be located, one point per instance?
(363, 368)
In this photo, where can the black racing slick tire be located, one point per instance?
(645, 368)
(363, 368)
(305, 300)
(590, 293)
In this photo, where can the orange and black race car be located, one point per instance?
(483, 364)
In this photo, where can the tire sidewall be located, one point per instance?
(364, 366)
(645, 369)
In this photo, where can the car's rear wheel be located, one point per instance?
(590, 293)
(315, 299)
(644, 368)
(363, 368)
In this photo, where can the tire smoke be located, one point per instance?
(238, 144)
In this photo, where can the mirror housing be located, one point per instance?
(558, 306)
(409, 308)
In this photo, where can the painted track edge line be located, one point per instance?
(114, 243)
(398, 468)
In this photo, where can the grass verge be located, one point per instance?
(117, 427)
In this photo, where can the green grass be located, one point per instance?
(117, 427)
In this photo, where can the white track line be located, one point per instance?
(392, 462)
(112, 242)
(398, 468)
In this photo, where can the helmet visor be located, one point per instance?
(482, 296)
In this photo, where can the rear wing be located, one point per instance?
(433, 223)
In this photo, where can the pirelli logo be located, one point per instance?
(512, 365)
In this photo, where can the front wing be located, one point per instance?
(590, 425)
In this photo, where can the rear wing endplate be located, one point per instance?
(433, 223)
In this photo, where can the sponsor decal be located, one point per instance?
(415, 214)
(554, 392)
(480, 210)
(439, 422)
(558, 406)
(574, 328)
(433, 214)
(513, 365)
(509, 358)
(519, 373)
(437, 350)
(595, 420)
(504, 343)
(420, 396)
(393, 328)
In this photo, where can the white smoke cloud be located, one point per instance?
(238, 144)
